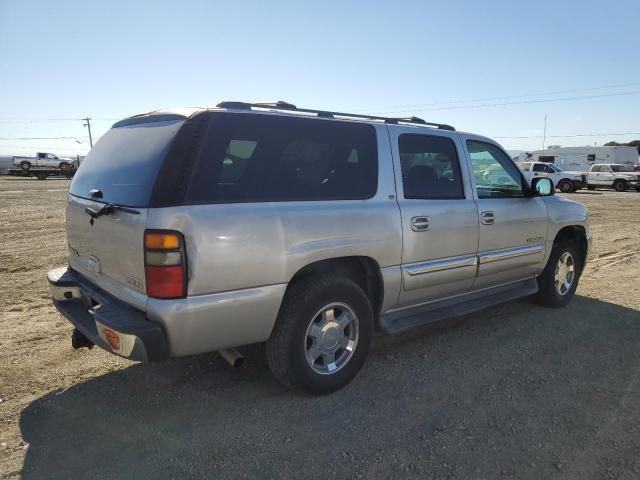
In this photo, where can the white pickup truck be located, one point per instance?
(566, 182)
(613, 175)
(43, 159)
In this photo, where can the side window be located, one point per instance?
(595, 168)
(271, 158)
(430, 167)
(538, 168)
(548, 169)
(51, 156)
(496, 176)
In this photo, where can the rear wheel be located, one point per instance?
(322, 334)
(25, 165)
(620, 185)
(590, 187)
(566, 186)
(559, 280)
(42, 176)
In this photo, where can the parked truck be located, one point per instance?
(566, 182)
(43, 159)
(613, 175)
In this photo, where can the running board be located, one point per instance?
(401, 320)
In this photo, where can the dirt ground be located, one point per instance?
(517, 391)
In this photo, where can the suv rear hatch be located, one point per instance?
(106, 245)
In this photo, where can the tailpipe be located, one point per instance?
(232, 356)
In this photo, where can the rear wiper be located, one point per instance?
(107, 209)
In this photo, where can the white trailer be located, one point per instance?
(582, 158)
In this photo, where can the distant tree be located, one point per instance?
(633, 143)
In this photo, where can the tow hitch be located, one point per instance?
(78, 340)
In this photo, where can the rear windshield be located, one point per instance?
(269, 158)
(124, 163)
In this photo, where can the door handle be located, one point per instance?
(420, 224)
(487, 218)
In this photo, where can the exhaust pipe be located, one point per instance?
(232, 356)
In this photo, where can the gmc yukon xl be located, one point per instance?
(202, 230)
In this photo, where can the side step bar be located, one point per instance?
(401, 320)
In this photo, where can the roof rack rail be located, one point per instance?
(280, 105)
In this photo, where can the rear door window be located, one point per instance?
(125, 162)
(269, 158)
(430, 167)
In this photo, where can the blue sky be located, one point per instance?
(108, 60)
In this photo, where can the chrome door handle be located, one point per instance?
(487, 218)
(420, 224)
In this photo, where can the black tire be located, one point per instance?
(42, 176)
(286, 348)
(566, 186)
(25, 165)
(638, 189)
(590, 187)
(547, 294)
(620, 185)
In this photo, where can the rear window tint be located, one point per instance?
(262, 158)
(125, 162)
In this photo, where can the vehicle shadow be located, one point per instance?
(516, 390)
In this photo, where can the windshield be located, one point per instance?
(124, 163)
(621, 168)
(554, 167)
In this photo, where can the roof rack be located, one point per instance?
(280, 105)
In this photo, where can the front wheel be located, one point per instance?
(322, 334)
(620, 185)
(566, 186)
(558, 282)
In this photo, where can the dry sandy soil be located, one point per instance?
(517, 391)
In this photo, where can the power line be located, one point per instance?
(577, 135)
(522, 102)
(35, 120)
(557, 92)
(44, 138)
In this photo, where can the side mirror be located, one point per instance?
(542, 187)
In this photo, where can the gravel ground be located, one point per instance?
(517, 391)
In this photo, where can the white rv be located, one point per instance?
(581, 158)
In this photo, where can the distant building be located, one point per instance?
(581, 158)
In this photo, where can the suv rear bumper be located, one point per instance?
(93, 312)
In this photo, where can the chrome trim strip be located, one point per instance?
(508, 253)
(440, 265)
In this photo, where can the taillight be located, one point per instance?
(165, 264)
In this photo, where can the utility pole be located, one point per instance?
(88, 125)
(544, 135)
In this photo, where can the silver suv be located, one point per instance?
(201, 230)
